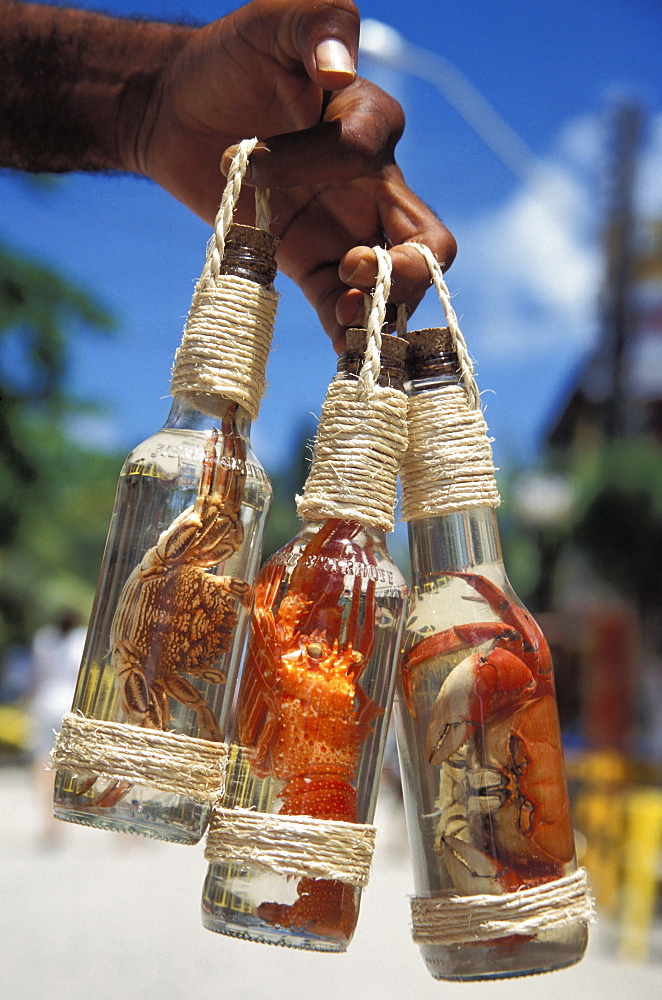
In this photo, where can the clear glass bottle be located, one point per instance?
(478, 731)
(312, 717)
(172, 606)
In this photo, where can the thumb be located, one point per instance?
(326, 38)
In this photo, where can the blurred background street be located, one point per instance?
(535, 131)
(106, 916)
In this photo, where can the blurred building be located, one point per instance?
(624, 374)
(608, 573)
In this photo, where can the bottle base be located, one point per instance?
(139, 810)
(311, 914)
(249, 927)
(117, 824)
(505, 958)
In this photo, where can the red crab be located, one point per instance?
(494, 732)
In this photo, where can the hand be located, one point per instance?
(284, 70)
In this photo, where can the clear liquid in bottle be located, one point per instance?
(312, 717)
(166, 635)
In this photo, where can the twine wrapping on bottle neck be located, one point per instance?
(298, 846)
(361, 435)
(455, 920)
(167, 761)
(448, 465)
(227, 337)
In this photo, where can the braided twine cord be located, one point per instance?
(227, 337)
(454, 920)
(448, 465)
(360, 440)
(361, 436)
(223, 352)
(170, 762)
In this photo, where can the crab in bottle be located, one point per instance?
(176, 585)
(478, 729)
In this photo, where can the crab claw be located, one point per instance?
(472, 870)
(476, 688)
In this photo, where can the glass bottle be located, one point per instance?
(171, 612)
(477, 724)
(312, 713)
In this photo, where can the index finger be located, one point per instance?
(405, 219)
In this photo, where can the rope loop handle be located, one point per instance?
(228, 205)
(230, 323)
(458, 341)
(375, 316)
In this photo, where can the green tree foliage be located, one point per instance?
(55, 494)
(619, 516)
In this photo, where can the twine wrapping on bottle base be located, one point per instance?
(454, 920)
(361, 437)
(170, 762)
(227, 337)
(298, 846)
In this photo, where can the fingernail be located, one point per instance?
(230, 153)
(363, 274)
(227, 158)
(333, 56)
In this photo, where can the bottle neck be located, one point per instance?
(227, 338)
(355, 530)
(361, 437)
(448, 466)
(250, 253)
(392, 360)
(441, 376)
(200, 411)
(454, 542)
(432, 360)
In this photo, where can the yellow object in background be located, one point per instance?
(641, 870)
(14, 727)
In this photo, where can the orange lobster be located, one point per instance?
(494, 731)
(302, 710)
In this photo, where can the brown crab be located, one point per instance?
(173, 616)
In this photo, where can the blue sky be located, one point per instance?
(528, 271)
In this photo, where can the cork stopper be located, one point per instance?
(435, 340)
(392, 356)
(250, 253)
(431, 352)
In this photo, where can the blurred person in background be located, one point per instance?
(57, 650)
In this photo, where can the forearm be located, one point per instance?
(76, 86)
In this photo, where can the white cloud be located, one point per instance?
(534, 260)
(649, 188)
(534, 263)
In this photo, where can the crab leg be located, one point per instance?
(535, 651)
(451, 640)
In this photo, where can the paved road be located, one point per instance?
(104, 916)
